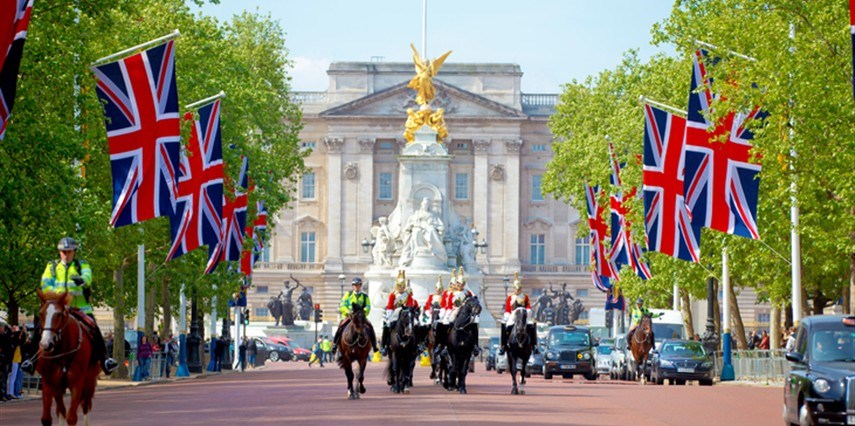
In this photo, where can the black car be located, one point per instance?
(569, 350)
(535, 363)
(490, 351)
(680, 361)
(270, 350)
(820, 388)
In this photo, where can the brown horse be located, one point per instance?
(355, 345)
(65, 359)
(640, 344)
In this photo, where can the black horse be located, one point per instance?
(519, 348)
(434, 347)
(403, 350)
(462, 339)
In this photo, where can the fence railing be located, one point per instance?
(155, 370)
(756, 366)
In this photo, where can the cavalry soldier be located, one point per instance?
(433, 302)
(458, 295)
(638, 312)
(400, 297)
(348, 301)
(75, 277)
(514, 301)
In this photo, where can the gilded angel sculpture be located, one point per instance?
(425, 72)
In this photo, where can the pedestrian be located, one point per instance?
(253, 352)
(74, 276)
(16, 342)
(242, 354)
(764, 342)
(108, 343)
(750, 340)
(791, 340)
(5, 358)
(326, 345)
(144, 352)
(317, 353)
(167, 356)
(219, 351)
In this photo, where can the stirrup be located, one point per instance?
(110, 365)
(28, 367)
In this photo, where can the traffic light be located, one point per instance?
(319, 314)
(246, 317)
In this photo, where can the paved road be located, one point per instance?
(294, 394)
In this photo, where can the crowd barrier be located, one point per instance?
(768, 366)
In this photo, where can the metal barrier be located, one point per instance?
(755, 365)
(156, 370)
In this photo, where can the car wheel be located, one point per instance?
(591, 376)
(804, 414)
(547, 376)
(681, 382)
(499, 371)
(273, 356)
(707, 382)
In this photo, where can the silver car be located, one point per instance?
(619, 356)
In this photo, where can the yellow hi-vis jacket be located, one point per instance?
(57, 279)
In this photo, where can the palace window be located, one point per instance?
(261, 312)
(261, 289)
(308, 145)
(461, 186)
(538, 147)
(384, 186)
(538, 248)
(307, 247)
(308, 186)
(583, 251)
(581, 292)
(763, 317)
(536, 194)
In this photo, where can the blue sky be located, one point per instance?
(553, 41)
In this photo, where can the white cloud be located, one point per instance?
(309, 74)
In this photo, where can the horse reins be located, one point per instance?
(41, 352)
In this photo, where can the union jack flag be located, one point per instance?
(233, 223)
(255, 234)
(615, 300)
(602, 267)
(14, 20)
(141, 106)
(199, 206)
(623, 250)
(720, 184)
(667, 219)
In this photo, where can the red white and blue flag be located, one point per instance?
(615, 300)
(14, 21)
(667, 219)
(602, 271)
(233, 222)
(623, 251)
(199, 206)
(254, 233)
(720, 183)
(140, 101)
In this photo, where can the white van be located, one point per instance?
(669, 326)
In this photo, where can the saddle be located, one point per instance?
(89, 326)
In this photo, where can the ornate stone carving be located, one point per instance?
(481, 145)
(351, 170)
(366, 145)
(497, 172)
(513, 146)
(334, 145)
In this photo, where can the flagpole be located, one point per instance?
(158, 40)
(424, 29)
(207, 100)
(795, 237)
(727, 372)
(730, 52)
(643, 99)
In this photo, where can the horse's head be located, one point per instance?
(357, 317)
(646, 324)
(54, 317)
(468, 312)
(407, 321)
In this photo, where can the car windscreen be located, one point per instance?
(668, 331)
(833, 345)
(605, 350)
(682, 350)
(569, 338)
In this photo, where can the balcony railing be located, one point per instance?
(285, 266)
(309, 97)
(555, 269)
(539, 99)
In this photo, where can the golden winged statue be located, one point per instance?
(425, 72)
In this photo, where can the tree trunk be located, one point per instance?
(805, 307)
(119, 324)
(686, 309)
(846, 300)
(736, 319)
(788, 316)
(12, 307)
(166, 322)
(775, 327)
(851, 303)
(150, 295)
(819, 302)
(716, 309)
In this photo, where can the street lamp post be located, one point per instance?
(506, 280)
(341, 279)
(710, 339)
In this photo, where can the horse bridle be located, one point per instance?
(468, 323)
(360, 336)
(58, 333)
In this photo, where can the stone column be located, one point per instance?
(333, 262)
(481, 193)
(365, 215)
(512, 204)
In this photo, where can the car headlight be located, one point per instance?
(706, 364)
(551, 355)
(665, 363)
(586, 355)
(821, 385)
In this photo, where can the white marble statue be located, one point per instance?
(384, 244)
(422, 236)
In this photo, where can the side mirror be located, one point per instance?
(795, 357)
(596, 344)
(655, 353)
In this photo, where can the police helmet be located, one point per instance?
(67, 243)
(639, 301)
(356, 281)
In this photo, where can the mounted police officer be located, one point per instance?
(348, 301)
(516, 300)
(638, 312)
(75, 277)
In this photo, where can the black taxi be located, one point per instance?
(820, 387)
(569, 350)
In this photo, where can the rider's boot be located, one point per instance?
(502, 340)
(108, 364)
(28, 367)
(373, 338)
(532, 335)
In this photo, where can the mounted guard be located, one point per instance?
(514, 301)
(399, 298)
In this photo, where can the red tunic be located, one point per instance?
(410, 303)
(430, 300)
(509, 303)
(445, 302)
